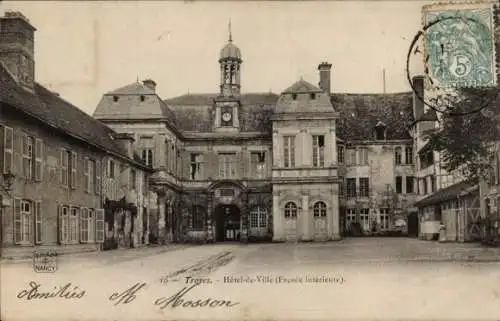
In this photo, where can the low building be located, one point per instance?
(64, 173)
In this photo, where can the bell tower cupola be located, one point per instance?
(230, 63)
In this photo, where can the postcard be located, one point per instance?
(281, 160)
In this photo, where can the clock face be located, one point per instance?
(226, 116)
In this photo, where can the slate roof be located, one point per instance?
(446, 194)
(129, 104)
(303, 103)
(360, 113)
(55, 111)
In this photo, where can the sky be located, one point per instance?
(84, 49)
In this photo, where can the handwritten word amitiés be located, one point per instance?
(64, 292)
(126, 296)
(178, 300)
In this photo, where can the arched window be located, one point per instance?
(319, 209)
(398, 154)
(258, 217)
(290, 210)
(197, 219)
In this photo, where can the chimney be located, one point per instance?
(151, 84)
(128, 142)
(17, 38)
(324, 76)
(418, 97)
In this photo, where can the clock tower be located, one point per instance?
(228, 101)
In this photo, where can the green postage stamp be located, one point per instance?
(459, 44)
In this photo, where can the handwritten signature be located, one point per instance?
(177, 300)
(63, 292)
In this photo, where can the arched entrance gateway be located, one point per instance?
(229, 217)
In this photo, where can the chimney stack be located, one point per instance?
(151, 84)
(418, 97)
(17, 37)
(324, 76)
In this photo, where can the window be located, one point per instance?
(397, 155)
(147, 156)
(22, 221)
(350, 217)
(290, 210)
(143, 98)
(8, 149)
(289, 151)
(318, 150)
(384, 218)
(38, 159)
(27, 157)
(409, 155)
(433, 183)
(364, 187)
(74, 166)
(399, 184)
(363, 156)
(133, 179)
(87, 225)
(64, 161)
(110, 172)
(351, 187)
(313, 96)
(258, 218)
(38, 222)
(340, 154)
(319, 209)
(341, 186)
(350, 156)
(115, 98)
(364, 218)
(294, 96)
(380, 133)
(227, 165)
(226, 192)
(89, 175)
(409, 184)
(99, 225)
(424, 185)
(196, 167)
(68, 224)
(258, 165)
(197, 218)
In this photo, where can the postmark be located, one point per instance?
(457, 50)
(45, 261)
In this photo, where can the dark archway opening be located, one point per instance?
(227, 223)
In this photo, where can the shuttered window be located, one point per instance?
(99, 226)
(8, 149)
(22, 221)
(84, 225)
(27, 157)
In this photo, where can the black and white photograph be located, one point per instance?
(250, 160)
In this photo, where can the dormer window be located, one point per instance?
(143, 98)
(294, 96)
(313, 96)
(380, 131)
(115, 98)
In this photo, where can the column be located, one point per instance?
(305, 220)
(333, 217)
(277, 218)
(210, 218)
(333, 146)
(161, 219)
(244, 218)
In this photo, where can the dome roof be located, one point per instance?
(230, 51)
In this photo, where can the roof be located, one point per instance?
(297, 99)
(301, 87)
(230, 51)
(360, 113)
(134, 101)
(55, 111)
(446, 194)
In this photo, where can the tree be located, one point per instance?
(465, 135)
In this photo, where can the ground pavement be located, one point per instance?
(364, 278)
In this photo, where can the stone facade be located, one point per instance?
(261, 166)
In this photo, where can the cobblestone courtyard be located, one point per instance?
(353, 278)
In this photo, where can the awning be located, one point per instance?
(448, 193)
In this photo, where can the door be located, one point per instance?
(228, 223)
(413, 224)
(290, 223)
(320, 220)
